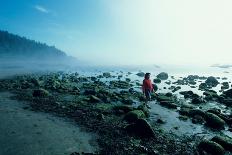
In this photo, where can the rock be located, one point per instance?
(164, 98)
(168, 104)
(128, 101)
(224, 141)
(197, 100)
(128, 80)
(183, 118)
(187, 94)
(197, 119)
(225, 85)
(140, 128)
(212, 81)
(106, 74)
(131, 90)
(132, 116)
(144, 109)
(211, 147)
(94, 99)
(168, 94)
(214, 111)
(93, 78)
(168, 82)
(176, 89)
(199, 112)
(120, 84)
(227, 102)
(192, 82)
(142, 98)
(157, 80)
(90, 92)
(203, 86)
(155, 87)
(162, 76)
(35, 81)
(210, 95)
(40, 93)
(184, 111)
(140, 74)
(160, 121)
(122, 109)
(214, 121)
(228, 93)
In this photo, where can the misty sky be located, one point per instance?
(127, 31)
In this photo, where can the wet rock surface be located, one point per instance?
(113, 106)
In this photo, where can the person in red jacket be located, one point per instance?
(147, 87)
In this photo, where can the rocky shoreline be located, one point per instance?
(111, 106)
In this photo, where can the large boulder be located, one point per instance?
(141, 128)
(40, 93)
(162, 76)
(210, 147)
(132, 116)
(214, 121)
(212, 81)
(224, 141)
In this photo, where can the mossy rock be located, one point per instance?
(140, 128)
(214, 121)
(155, 87)
(122, 109)
(134, 115)
(157, 80)
(144, 109)
(211, 147)
(224, 141)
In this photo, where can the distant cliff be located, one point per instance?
(20, 49)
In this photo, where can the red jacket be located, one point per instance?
(147, 85)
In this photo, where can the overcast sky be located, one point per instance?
(127, 31)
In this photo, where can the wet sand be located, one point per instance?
(24, 132)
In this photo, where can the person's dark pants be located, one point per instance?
(148, 94)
